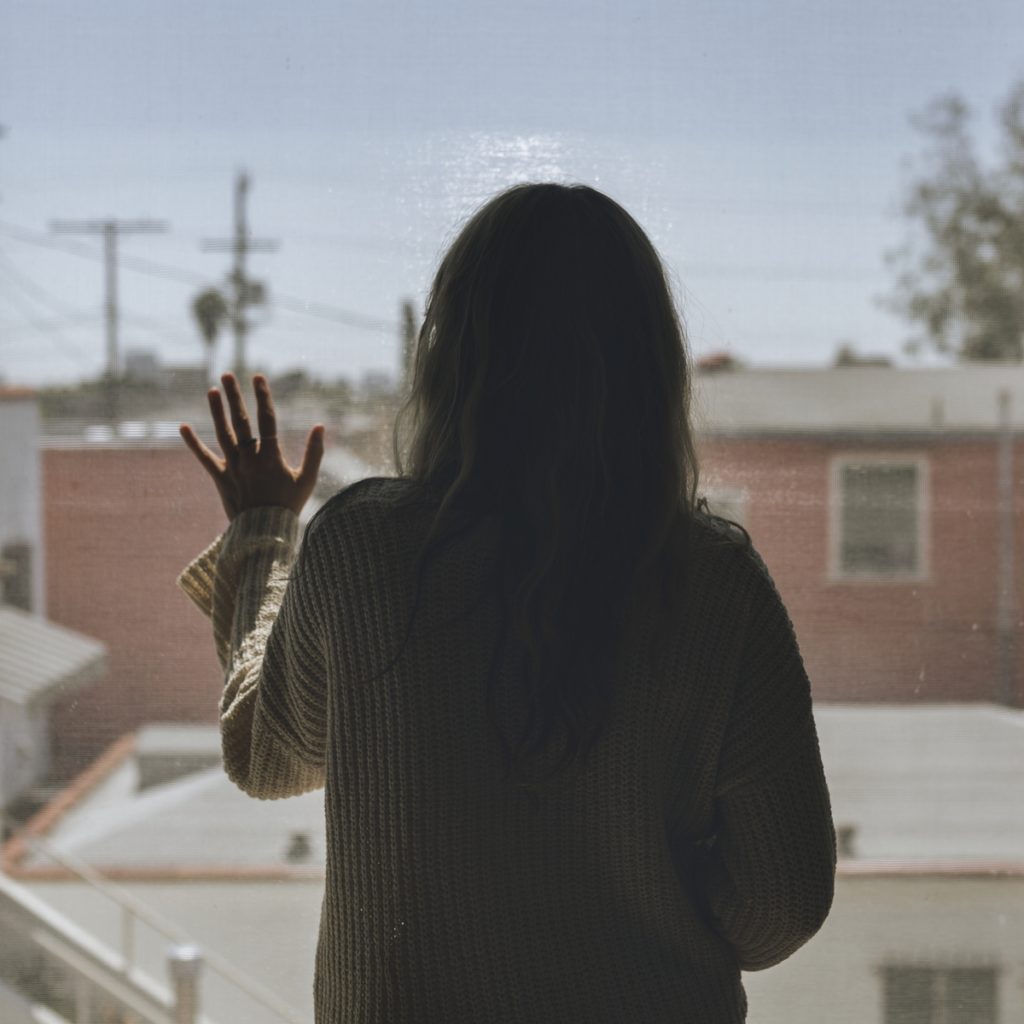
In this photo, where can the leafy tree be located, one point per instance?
(960, 275)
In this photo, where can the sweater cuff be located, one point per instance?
(252, 530)
(256, 529)
(197, 578)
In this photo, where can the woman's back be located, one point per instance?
(455, 894)
(562, 720)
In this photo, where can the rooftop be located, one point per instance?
(911, 786)
(926, 784)
(859, 398)
(38, 658)
(195, 825)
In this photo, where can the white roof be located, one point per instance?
(918, 785)
(177, 739)
(858, 398)
(39, 658)
(199, 823)
(927, 783)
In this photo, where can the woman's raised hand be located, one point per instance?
(253, 471)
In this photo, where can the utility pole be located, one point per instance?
(111, 230)
(409, 331)
(1006, 607)
(244, 292)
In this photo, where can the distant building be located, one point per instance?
(40, 662)
(889, 505)
(123, 516)
(239, 878)
(22, 568)
(126, 508)
(144, 366)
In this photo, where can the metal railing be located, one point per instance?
(116, 973)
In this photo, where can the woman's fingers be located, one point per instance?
(206, 458)
(253, 481)
(239, 414)
(266, 416)
(311, 458)
(225, 435)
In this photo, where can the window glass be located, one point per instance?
(879, 523)
(930, 995)
(189, 188)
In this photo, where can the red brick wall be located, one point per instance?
(120, 523)
(933, 640)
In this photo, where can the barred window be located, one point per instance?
(879, 519)
(928, 995)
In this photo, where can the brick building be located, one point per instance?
(120, 522)
(880, 499)
(887, 504)
(122, 517)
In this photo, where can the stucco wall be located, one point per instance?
(21, 516)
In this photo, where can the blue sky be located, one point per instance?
(762, 145)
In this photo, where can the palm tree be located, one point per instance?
(210, 310)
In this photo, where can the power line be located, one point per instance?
(111, 230)
(43, 295)
(42, 327)
(68, 314)
(755, 273)
(176, 335)
(291, 303)
(54, 323)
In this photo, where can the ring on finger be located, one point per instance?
(247, 442)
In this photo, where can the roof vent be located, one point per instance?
(300, 849)
(846, 840)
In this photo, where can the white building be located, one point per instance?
(21, 507)
(38, 660)
(926, 926)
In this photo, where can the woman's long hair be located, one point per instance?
(551, 390)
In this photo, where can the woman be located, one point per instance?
(564, 727)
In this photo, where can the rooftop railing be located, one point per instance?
(101, 975)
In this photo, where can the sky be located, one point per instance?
(765, 148)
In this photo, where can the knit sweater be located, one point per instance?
(694, 843)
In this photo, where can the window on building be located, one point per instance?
(879, 518)
(930, 995)
(16, 575)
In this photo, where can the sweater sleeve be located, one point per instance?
(267, 628)
(769, 872)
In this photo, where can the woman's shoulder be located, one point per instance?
(375, 501)
(377, 493)
(723, 554)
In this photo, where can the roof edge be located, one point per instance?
(953, 868)
(183, 873)
(43, 821)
